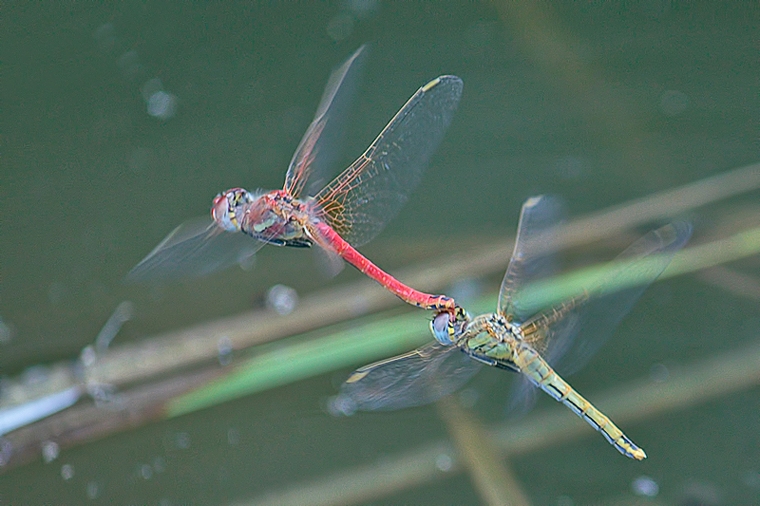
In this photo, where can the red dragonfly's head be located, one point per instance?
(227, 208)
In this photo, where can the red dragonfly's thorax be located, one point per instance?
(277, 218)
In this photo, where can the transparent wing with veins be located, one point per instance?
(415, 378)
(199, 247)
(533, 254)
(370, 192)
(316, 152)
(597, 309)
(595, 313)
(195, 248)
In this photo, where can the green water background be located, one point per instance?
(597, 102)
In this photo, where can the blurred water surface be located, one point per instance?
(120, 122)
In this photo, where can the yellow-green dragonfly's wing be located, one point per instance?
(596, 311)
(415, 378)
(532, 256)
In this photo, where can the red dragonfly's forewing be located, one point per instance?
(195, 248)
(370, 192)
(315, 153)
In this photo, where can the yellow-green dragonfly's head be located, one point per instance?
(448, 326)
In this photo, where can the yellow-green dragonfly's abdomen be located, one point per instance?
(493, 341)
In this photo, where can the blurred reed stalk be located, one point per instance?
(160, 355)
(189, 358)
(688, 386)
(490, 474)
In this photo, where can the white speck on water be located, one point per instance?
(67, 471)
(659, 373)
(162, 105)
(282, 299)
(50, 451)
(182, 440)
(159, 465)
(645, 486)
(444, 462)
(340, 26)
(233, 436)
(146, 471)
(93, 490)
(6, 332)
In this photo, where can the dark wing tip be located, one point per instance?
(455, 83)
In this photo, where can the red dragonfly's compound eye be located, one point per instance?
(225, 206)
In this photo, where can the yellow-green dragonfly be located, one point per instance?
(515, 338)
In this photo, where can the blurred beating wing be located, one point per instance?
(595, 315)
(369, 193)
(416, 378)
(611, 298)
(199, 247)
(195, 248)
(316, 152)
(533, 256)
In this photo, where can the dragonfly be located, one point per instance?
(346, 213)
(518, 339)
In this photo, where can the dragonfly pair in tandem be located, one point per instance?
(355, 206)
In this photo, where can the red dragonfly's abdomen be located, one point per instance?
(336, 243)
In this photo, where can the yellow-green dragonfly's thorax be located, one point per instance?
(491, 339)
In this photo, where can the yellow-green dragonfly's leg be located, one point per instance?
(543, 376)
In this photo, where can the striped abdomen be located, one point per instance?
(543, 376)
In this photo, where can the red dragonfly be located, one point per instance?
(348, 212)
